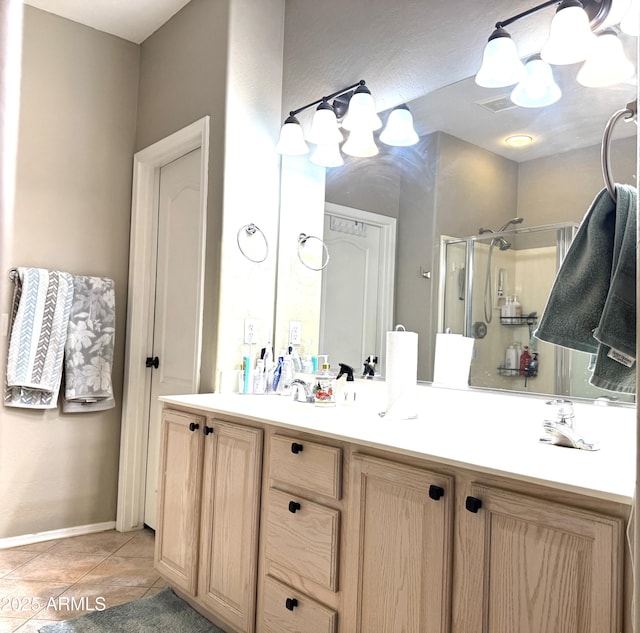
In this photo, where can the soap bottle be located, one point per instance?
(510, 361)
(348, 393)
(505, 310)
(516, 308)
(325, 386)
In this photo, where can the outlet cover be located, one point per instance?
(250, 331)
(295, 334)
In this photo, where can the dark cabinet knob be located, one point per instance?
(193, 426)
(436, 492)
(294, 506)
(291, 603)
(208, 429)
(472, 504)
(152, 362)
(296, 448)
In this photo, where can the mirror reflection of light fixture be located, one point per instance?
(607, 64)
(519, 140)
(327, 155)
(570, 36)
(571, 40)
(360, 144)
(361, 116)
(539, 88)
(399, 130)
(292, 141)
(324, 126)
(501, 65)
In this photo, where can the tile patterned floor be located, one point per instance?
(59, 580)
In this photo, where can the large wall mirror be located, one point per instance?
(461, 179)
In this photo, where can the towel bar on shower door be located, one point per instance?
(629, 114)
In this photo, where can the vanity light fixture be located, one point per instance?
(539, 88)
(571, 40)
(399, 130)
(606, 64)
(354, 105)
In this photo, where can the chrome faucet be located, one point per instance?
(297, 386)
(562, 431)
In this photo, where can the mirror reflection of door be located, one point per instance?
(353, 323)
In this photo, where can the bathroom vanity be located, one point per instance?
(282, 517)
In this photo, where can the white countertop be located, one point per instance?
(483, 431)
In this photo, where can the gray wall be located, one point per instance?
(73, 198)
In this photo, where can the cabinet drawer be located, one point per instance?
(303, 537)
(308, 465)
(288, 611)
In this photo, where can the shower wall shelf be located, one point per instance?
(521, 320)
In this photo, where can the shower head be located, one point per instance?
(511, 221)
(504, 244)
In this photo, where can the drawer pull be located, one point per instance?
(208, 429)
(294, 506)
(193, 426)
(291, 603)
(436, 492)
(472, 504)
(296, 448)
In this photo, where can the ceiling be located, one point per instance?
(133, 20)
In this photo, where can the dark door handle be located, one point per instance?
(207, 429)
(296, 448)
(193, 426)
(291, 603)
(436, 492)
(294, 506)
(472, 504)
(152, 362)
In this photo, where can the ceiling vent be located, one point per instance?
(497, 104)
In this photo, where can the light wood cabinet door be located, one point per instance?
(531, 566)
(229, 526)
(177, 533)
(400, 549)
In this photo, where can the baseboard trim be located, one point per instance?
(38, 537)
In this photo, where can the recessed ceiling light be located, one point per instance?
(519, 140)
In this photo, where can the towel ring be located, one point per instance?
(252, 229)
(303, 238)
(628, 114)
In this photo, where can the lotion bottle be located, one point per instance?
(324, 389)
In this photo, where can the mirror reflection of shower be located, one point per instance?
(504, 245)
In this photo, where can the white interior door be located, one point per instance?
(177, 303)
(350, 325)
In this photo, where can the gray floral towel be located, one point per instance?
(89, 346)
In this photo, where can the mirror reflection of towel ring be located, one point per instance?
(252, 229)
(303, 238)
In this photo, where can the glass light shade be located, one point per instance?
(607, 64)
(538, 89)
(570, 37)
(360, 144)
(324, 126)
(291, 140)
(630, 23)
(361, 116)
(501, 65)
(327, 155)
(399, 130)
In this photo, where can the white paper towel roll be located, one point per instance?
(453, 360)
(402, 374)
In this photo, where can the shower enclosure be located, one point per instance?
(494, 287)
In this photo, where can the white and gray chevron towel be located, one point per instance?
(89, 347)
(39, 320)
